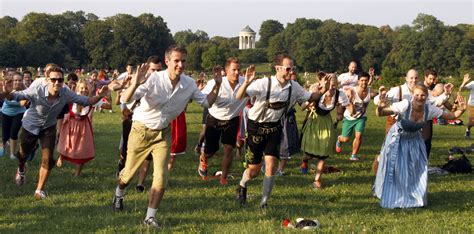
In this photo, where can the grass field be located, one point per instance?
(191, 205)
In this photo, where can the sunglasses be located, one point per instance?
(288, 69)
(54, 80)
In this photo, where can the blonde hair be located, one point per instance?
(82, 82)
(422, 88)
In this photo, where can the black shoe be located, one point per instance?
(467, 134)
(117, 203)
(241, 195)
(263, 206)
(140, 188)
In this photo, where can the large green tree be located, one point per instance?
(212, 57)
(186, 37)
(268, 29)
(97, 37)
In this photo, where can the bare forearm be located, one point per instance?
(212, 96)
(383, 111)
(316, 95)
(241, 93)
(93, 100)
(128, 93)
(115, 86)
(340, 112)
(452, 115)
(350, 108)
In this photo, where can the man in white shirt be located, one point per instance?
(163, 96)
(223, 119)
(273, 96)
(470, 104)
(348, 79)
(354, 121)
(404, 91)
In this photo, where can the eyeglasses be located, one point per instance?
(288, 69)
(54, 80)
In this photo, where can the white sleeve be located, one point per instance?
(256, 87)
(340, 77)
(399, 107)
(470, 85)
(142, 89)
(439, 100)
(199, 97)
(209, 86)
(392, 94)
(300, 94)
(434, 112)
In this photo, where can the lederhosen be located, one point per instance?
(226, 130)
(264, 138)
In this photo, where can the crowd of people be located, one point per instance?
(255, 115)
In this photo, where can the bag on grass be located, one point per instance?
(458, 165)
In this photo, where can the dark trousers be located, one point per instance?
(427, 132)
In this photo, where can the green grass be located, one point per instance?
(191, 205)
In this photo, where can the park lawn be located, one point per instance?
(192, 205)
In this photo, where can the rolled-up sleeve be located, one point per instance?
(208, 88)
(137, 95)
(28, 93)
(256, 87)
(301, 94)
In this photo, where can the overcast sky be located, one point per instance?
(227, 17)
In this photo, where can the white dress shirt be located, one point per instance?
(258, 89)
(160, 103)
(226, 106)
(347, 81)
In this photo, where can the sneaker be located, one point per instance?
(20, 177)
(262, 168)
(263, 206)
(202, 169)
(197, 150)
(40, 195)
(317, 185)
(338, 146)
(117, 203)
(467, 134)
(12, 157)
(280, 173)
(140, 188)
(241, 195)
(354, 158)
(223, 181)
(304, 167)
(152, 222)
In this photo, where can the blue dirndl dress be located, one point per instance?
(402, 176)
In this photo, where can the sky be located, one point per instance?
(227, 17)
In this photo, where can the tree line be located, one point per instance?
(77, 39)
